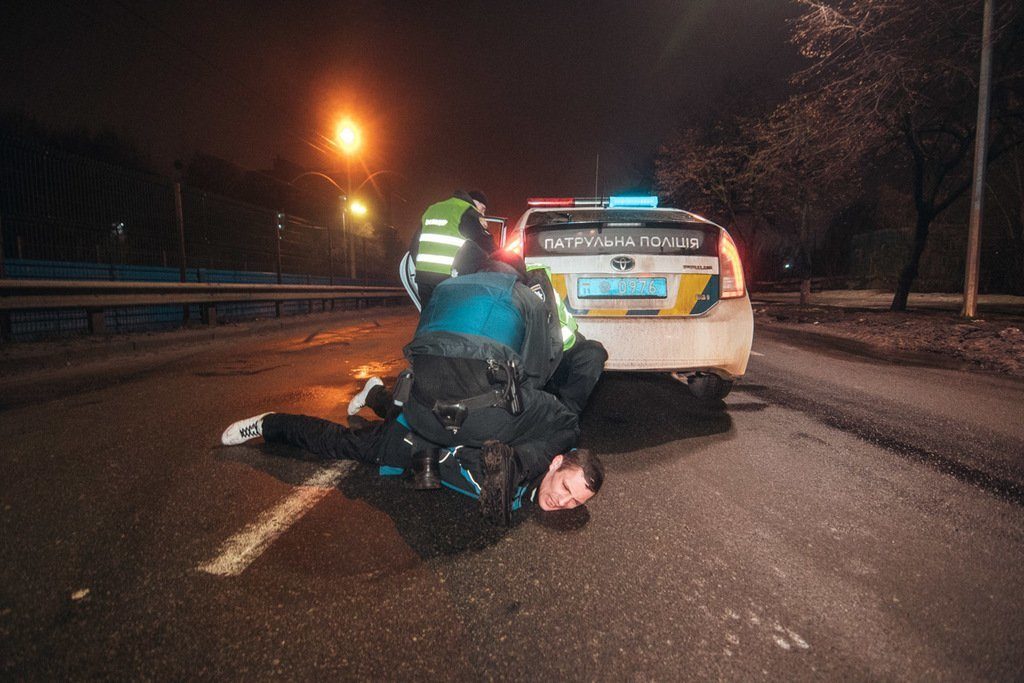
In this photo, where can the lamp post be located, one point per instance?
(349, 139)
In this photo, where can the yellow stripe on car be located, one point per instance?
(690, 287)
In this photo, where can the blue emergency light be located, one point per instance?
(633, 202)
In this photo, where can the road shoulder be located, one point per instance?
(940, 339)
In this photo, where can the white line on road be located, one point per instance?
(239, 551)
(756, 353)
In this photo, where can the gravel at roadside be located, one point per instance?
(993, 343)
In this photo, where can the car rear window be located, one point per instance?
(621, 235)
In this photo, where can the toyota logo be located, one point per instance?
(623, 263)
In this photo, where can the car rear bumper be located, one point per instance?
(717, 342)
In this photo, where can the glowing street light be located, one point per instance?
(349, 139)
(348, 136)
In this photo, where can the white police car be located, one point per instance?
(662, 289)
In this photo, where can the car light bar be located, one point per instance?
(550, 201)
(649, 202)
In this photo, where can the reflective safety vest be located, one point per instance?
(566, 323)
(440, 238)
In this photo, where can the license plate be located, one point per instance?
(621, 288)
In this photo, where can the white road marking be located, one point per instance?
(797, 640)
(756, 353)
(239, 551)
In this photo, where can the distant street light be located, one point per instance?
(348, 136)
(357, 208)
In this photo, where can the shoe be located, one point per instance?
(426, 474)
(359, 400)
(499, 482)
(243, 430)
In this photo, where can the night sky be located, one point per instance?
(516, 98)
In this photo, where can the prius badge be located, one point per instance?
(623, 263)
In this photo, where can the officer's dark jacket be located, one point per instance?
(481, 317)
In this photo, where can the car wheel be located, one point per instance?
(709, 387)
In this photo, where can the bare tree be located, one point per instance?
(1006, 188)
(897, 79)
(707, 175)
(797, 183)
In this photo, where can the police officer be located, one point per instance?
(453, 238)
(484, 349)
(582, 359)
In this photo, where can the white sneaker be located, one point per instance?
(359, 400)
(243, 430)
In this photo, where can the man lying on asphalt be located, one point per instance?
(493, 474)
(485, 347)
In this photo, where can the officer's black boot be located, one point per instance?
(425, 472)
(500, 473)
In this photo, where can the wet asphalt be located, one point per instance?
(837, 516)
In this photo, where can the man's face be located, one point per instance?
(563, 489)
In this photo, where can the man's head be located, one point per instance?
(479, 200)
(571, 480)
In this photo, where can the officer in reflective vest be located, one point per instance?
(582, 359)
(453, 240)
(567, 324)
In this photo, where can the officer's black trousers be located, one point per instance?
(577, 374)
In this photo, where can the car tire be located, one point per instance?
(709, 387)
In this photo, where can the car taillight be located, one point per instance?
(730, 268)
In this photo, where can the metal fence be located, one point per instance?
(67, 217)
(56, 206)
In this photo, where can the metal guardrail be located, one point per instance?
(95, 296)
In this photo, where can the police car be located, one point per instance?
(663, 289)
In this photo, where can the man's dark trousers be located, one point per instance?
(377, 443)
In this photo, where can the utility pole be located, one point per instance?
(179, 215)
(351, 231)
(597, 173)
(970, 308)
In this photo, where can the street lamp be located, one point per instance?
(349, 139)
(348, 136)
(357, 208)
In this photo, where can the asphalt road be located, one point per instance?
(839, 517)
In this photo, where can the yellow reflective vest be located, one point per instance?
(440, 238)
